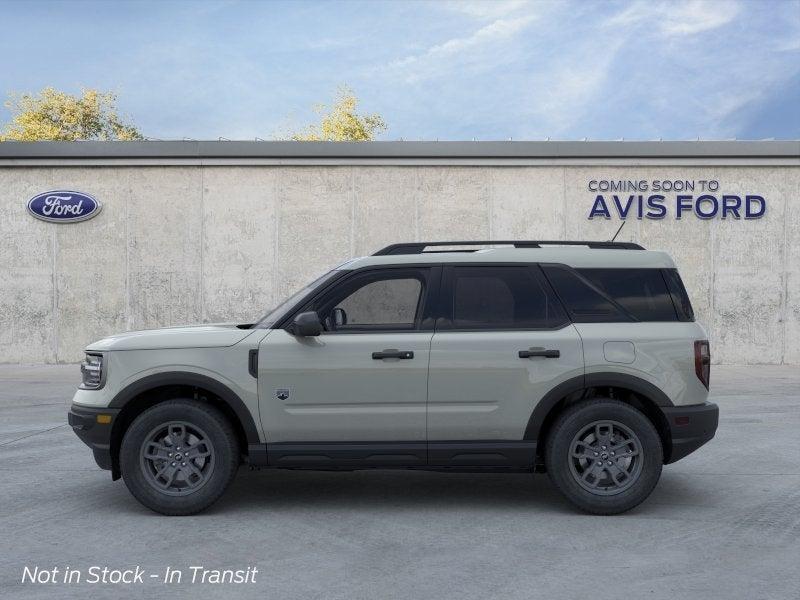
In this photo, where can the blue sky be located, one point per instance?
(434, 70)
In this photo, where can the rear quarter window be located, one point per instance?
(680, 298)
(585, 301)
(642, 292)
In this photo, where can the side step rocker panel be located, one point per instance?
(500, 455)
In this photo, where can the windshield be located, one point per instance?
(275, 314)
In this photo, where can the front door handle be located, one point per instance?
(392, 353)
(531, 352)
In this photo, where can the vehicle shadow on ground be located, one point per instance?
(378, 490)
(396, 488)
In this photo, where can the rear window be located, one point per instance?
(642, 292)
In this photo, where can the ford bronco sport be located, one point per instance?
(581, 359)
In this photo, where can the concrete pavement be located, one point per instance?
(723, 523)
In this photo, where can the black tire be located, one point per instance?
(573, 475)
(205, 427)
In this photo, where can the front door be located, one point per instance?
(358, 391)
(502, 342)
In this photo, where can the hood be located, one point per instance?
(213, 335)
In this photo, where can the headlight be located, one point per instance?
(92, 371)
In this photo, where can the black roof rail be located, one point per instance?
(419, 247)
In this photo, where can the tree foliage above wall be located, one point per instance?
(55, 115)
(341, 123)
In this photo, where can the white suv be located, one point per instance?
(582, 359)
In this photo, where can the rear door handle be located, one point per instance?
(391, 353)
(531, 352)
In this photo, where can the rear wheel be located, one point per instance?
(178, 457)
(604, 456)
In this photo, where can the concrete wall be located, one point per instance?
(183, 244)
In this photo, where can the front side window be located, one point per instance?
(374, 301)
(383, 302)
(501, 298)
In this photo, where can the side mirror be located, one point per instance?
(306, 324)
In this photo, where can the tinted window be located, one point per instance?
(584, 303)
(501, 298)
(383, 302)
(680, 298)
(643, 292)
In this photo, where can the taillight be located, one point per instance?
(702, 361)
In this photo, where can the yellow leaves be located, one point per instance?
(56, 115)
(91, 115)
(341, 122)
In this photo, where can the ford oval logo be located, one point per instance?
(63, 206)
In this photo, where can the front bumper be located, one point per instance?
(690, 427)
(96, 435)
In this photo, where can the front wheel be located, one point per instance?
(604, 456)
(178, 457)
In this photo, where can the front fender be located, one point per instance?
(187, 378)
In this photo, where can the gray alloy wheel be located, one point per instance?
(605, 458)
(604, 455)
(177, 458)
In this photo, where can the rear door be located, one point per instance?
(502, 342)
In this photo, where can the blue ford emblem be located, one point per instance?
(63, 206)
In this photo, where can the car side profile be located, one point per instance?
(581, 359)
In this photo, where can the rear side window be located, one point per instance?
(679, 296)
(585, 302)
(642, 292)
(502, 298)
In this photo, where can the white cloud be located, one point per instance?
(329, 43)
(696, 16)
(498, 30)
(480, 46)
(677, 69)
(722, 81)
(678, 18)
(486, 9)
(565, 90)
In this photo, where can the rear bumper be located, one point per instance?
(97, 436)
(690, 427)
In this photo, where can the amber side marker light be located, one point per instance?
(104, 419)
